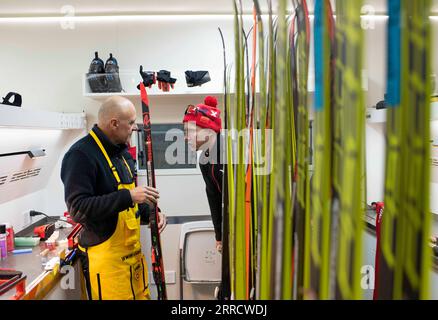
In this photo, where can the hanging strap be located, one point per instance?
(127, 166)
(116, 175)
(113, 169)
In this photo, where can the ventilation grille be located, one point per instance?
(25, 175)
(3, 180)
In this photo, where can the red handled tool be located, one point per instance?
(44, 231)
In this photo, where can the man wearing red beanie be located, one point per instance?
(202, 126)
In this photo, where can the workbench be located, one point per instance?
(42, 284)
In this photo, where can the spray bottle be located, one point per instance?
(3, 242)
(10, 237)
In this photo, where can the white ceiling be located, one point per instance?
(98, 7)
(53, 7)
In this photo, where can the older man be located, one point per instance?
(100, 192)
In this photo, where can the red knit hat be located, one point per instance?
(205, 115)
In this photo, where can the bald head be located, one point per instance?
(116, 118)
(114, 107)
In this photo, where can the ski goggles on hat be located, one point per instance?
(191, 109)
(204, 116)
(205, 111)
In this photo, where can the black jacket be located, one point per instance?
(212, 171)
(90, 187)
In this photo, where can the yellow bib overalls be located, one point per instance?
(117, 268)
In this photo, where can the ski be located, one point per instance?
(224, 292)
(294, 133)
(239, 223)
(288, 276)
(386, 234)
(348, 153)
(322, 181)
(259, 148)
(230, 185)
(266, 119)
(250, 209)
(412, 280)
(404, 263)
(156, 252)
(279, 177)
(303, 184)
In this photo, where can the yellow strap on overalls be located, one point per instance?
(113, 168)
(127, 166)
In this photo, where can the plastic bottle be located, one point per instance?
(10, 237)
(3, 242)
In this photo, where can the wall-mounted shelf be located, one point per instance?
(379, 116)
(18, 117)
(103, 96)
(376, 115)
(434, 111)
(130, 80)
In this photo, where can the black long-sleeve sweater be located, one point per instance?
(90, 187)
(212, 172)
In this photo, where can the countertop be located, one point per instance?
(32, 264)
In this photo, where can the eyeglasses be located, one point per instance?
(131, 123)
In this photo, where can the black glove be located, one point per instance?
(196, 78)
(16, 102)
(165, 82)
(148, 78)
